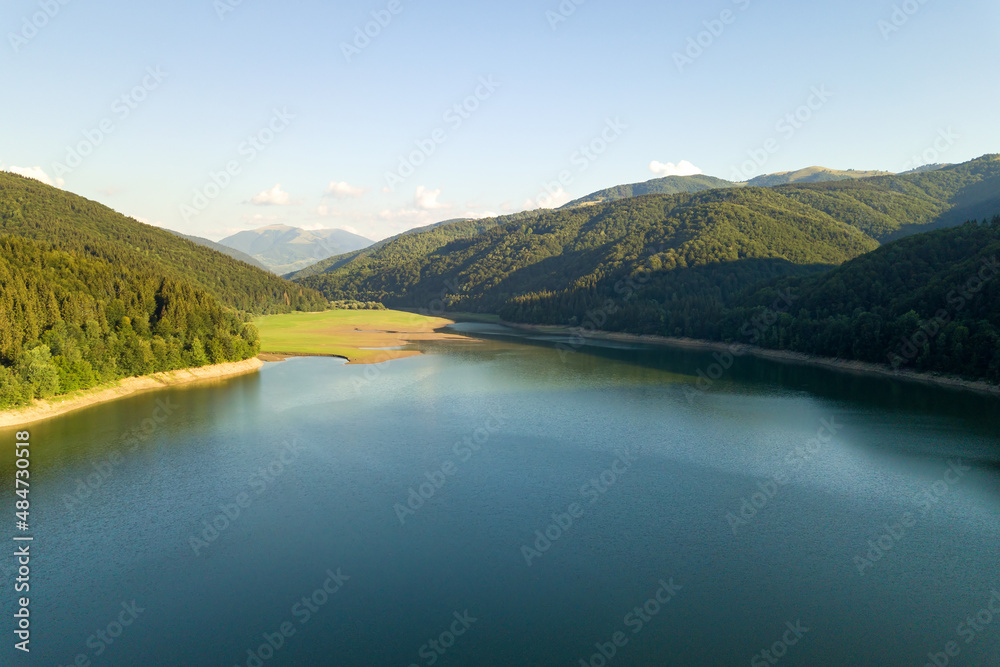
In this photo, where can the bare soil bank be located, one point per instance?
(785, 356)
(60, 405)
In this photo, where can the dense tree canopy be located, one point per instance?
(705, 264)
(69, 322)
(30, 209)
(89, 296)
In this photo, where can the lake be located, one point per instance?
(501, 500)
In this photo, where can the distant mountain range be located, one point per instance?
(446, 230)
(811, 175)
(225, 250)
(677, 264)
(672, 185)
(283, 249)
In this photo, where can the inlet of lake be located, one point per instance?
(503, 500)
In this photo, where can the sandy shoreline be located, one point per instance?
(740, 349)
(61, 405)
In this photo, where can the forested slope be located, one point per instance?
(88, 296)
(30, 209)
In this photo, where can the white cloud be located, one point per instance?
(427, 200)
(344, 190)
(273, 197)
(682, 168)
(549, 200)
(479, 215)
(38, 174)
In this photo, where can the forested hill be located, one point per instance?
(892, 207)
(33, 210)
(669, 185)
(88, 296)
(679, 265)
(71, 321)
(581, 253)
(811, 175)
(420, 240)
(672, 185)
(518, 262)
(929, 302)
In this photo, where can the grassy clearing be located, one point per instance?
(346, 333)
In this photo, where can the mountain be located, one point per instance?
(926, 167)
(225, 250)
(697, 250)
(430, 236)
(670, 185)
(70, 223)
(892, 207)
(88, 296)
(810, 175)
(929, 302)
(285, 249)
(586, 250)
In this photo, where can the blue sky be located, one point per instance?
(145, 106)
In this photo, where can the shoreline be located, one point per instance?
(355, 338)
(782, 356)
(40, 410)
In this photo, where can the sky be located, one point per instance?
(215, 116)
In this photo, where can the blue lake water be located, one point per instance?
(499, 501)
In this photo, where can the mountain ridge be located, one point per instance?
(284, 249)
